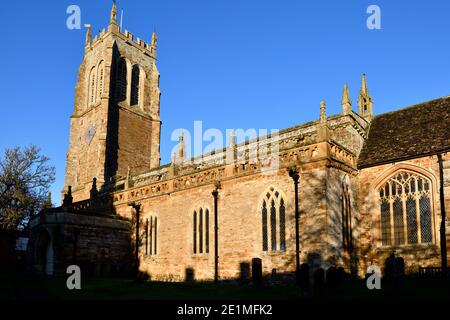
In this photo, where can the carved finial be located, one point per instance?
(231, 153)
(232, 139)
(88, 35)
(94, 191)
(323, 111)
(154, 39)
(128, 181)
(113, 19)
(364, 88)
(181, 149)
(346, 102)
(48, 203)
(365, 103)
(68, 199)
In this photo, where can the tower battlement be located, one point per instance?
(127, 36)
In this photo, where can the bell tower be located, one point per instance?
(115, 124)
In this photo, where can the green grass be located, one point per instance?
(24, 287)
(108, 288)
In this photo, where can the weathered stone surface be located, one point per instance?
(118, 143)
(94, 243)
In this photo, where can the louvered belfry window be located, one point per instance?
(135, 86)
(121, 80)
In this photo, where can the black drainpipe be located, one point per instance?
(215, 194)
(443, 215)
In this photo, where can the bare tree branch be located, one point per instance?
(25, 178)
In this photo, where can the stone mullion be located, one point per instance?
(405, 220)
(273, 225)
(151, 236)
(278, 226)
(417, 198)
(270, 225)
(129, 72)
(155, 236)
(391, 215)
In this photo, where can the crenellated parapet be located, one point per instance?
(148, 48)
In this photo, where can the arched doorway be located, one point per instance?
(44, 253)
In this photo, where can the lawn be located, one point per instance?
(16, 287)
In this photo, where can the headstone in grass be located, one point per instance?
(189, 275)
(331, 278)
(319, 276)
(394, 271)
(244, 274)
(257, 271)
(304, 277)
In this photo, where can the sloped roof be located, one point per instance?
(414, 131)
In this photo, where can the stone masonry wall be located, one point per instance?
(99, 245)
(371, 250)
(240, 226)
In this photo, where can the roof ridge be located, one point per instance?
(417, 105)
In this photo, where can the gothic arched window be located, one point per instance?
(201, 231)
(194, 224)
(100, 79)
(406, 210)
(151, 236)
(135, 85)
(346, 208)
(121, 80)
(273, 215)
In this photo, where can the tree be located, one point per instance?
(25, 179)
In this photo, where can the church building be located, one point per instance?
(365, 185)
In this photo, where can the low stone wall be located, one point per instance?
(98, 244)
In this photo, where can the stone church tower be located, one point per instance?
(115, 125)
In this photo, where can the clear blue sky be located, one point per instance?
(230, 63)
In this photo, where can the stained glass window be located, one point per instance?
(405, 202)
(201, 231)
(195, 232)
(264, 226)
(207, 231)
(282, 226)
(347, 235)
(273, 215)
(151, 236)
(273, 226)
